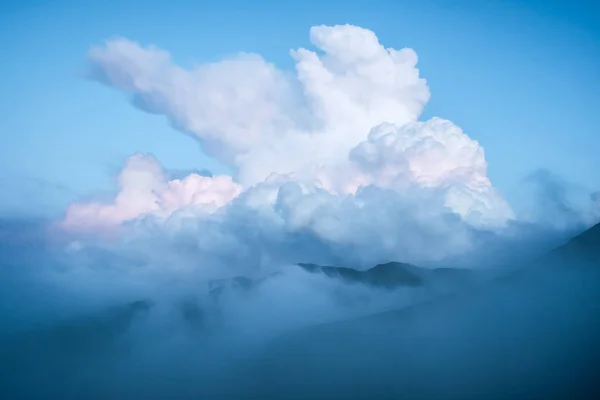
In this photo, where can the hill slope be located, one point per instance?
(583, 249)
(532, 336)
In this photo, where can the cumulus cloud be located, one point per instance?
(230, 105)
(144, 189)
(261, 120)
(333, 155)
(432, 154)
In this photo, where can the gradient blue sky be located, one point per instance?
(521, 77)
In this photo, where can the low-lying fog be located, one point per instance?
(304, 331)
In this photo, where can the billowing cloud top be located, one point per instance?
(334, 151)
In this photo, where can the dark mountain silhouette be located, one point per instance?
(389, 275)
(393, 275)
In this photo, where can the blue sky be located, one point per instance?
(521, 77)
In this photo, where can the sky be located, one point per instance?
(521, 78)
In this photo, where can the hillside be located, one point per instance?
(532, 336)
(583, 249)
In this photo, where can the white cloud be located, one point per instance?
(145, 189)
(335, 153)
(432, 154)
(246, 112)
(230, 105)
(357, 83)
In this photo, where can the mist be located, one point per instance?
(113, 329)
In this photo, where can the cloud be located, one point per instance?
(145, 189)
(330, 165)
(230, 105)
(348, 119)
(557, 202)
(260, 120)
(433, 154)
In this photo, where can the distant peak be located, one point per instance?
(389, 275)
